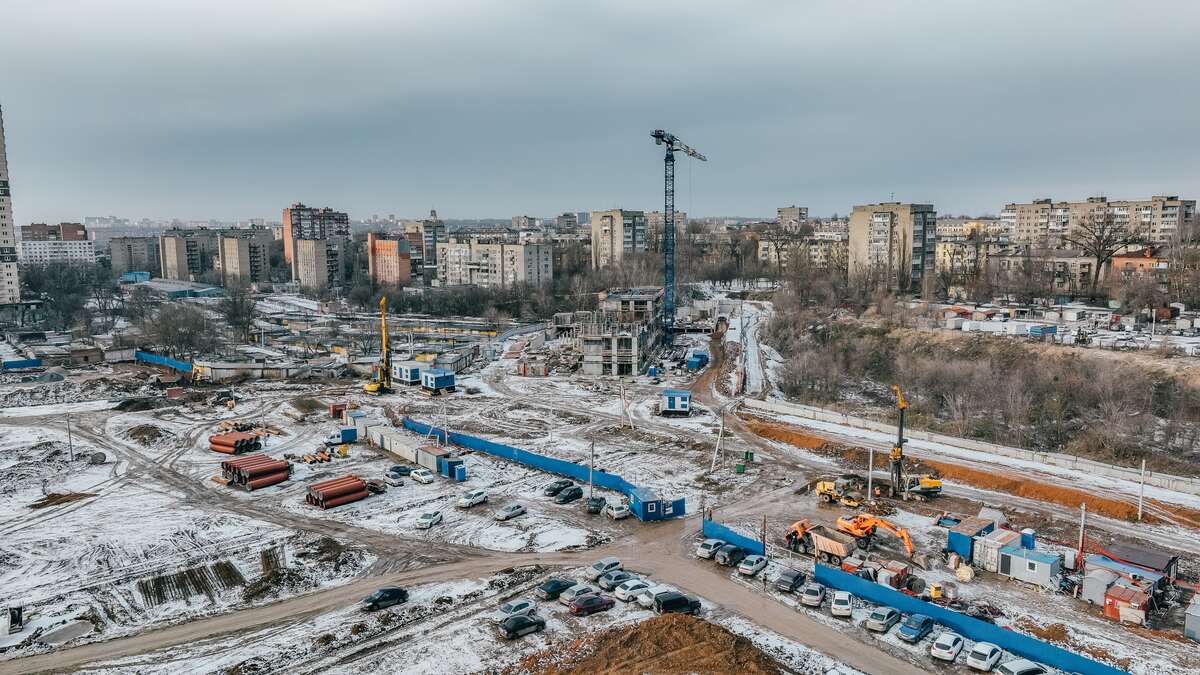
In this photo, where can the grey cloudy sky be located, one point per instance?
(224, 109)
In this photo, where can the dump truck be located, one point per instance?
(825, 544)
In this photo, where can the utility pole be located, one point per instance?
(591, 465)
(1142, 490)
(1082, 523)
(70, 441)
(870, 470)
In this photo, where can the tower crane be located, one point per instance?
(381, 382)
(673, 145)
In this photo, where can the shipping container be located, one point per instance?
(437, 379)
(986, 549)
(349, 435)
(427, 456)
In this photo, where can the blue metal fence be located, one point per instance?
(718, 531)
(157, 360)
(20, 363)
(562, 467)
(981, 631)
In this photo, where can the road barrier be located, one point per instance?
(974, 629)
(715, 530)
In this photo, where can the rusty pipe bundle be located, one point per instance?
(344, 499)
(269, 479)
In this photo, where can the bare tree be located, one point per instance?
(1101, 236)
(237, 308)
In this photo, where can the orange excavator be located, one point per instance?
(863, 527)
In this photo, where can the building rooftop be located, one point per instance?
(1142, 557)
(643, 293)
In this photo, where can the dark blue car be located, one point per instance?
(915, 627)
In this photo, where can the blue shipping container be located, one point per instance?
(957, 542)
(349, 435)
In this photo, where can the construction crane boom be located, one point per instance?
(673, 145)
(897, 454)
(381, 383)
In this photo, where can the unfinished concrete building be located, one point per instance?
(620, 336)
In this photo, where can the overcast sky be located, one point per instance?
(490, 109)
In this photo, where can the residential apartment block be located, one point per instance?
(792, 217)
(1045, 222)
(317, 264)
(619, 337)
(10, 284)
(820, 249)
(185, 255)
(654, 228)
(967, 227)
(245, 260)
(896, 241)
(1063, 270)
(388, 260)
(135, 254)
(524, 223)
(494, 265)
(614, 233)
(567, 223)
(424, 236)
(59, 232)
(305, 222)
(42, 252)
(963, 256)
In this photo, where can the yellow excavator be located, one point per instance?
(381, 380)
(920, 487)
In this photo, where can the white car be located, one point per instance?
(394, 481)
(752, 564)
(602, 567)
(813, 595)
(947, 646)
(515, 607)
(708, 548)
(616, 511)
(1021, 667)
(428, 520)
(471, 498)
(842, 604)
(628, 590)
(984, 656)
(421, 476)
(646, 597)
(509, 512)
(577, 591)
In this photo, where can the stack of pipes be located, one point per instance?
(234, 443)
(256, 471)
(335, 492)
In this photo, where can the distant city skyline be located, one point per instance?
(493, 109)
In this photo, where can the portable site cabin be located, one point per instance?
(675, 402)
(407, 372)
(647, 505)
(429, 456)
(1096, 583)
(437, 380)
(961, 537)
(1191, 620)
(986, 553)
(1032, 567)
(1125, 604)
(697, 360)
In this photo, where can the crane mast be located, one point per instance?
(673, 145)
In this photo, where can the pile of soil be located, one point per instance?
(306, 405)
(672, 643)
(146, 434)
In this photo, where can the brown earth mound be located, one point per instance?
(672, 643)
(146, 434)
(783, 432)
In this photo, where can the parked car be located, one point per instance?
(569, 495)
(594, 505)
(422, 476)
(611, 580)
(384, 598)
(673, 602)
(515, 607)
(984, 656)
(628, 590)
(602, 567)
(947, 646)
(617, 511)
(400, 470)
(729, 555)
(393, 480)
(842, 604)
(556, 487)
(472, 498)
(789, 580)
(882, 619)
(1021, 667)
(812, 595)
(646, 597)
(522, 624)
(590, 604)
(509, 512)
(708, 548)
(428, 520)
(553, 588)
(915, 628)
(751, 565)
(577, 591)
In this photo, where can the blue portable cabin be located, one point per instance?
(135, 277)
(448, 466)
(437, 380)
(646, 505)
(407, 372)
(675, 402)
(961, 537)
(349, 435)
(697, 360)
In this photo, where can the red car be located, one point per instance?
(590, 604)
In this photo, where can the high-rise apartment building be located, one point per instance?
(1045, 222)
(431, 232)
(896, 243)
(567, 223)
(316, 263)
(305, 222)
(389, 260)
(10, 284)
(59, 232)
(44, 252)
(494, 265)
(524, 223)
(135, 254)
(187, 254)
(614, 233)
(654, 228)
(792, 217)
(244, 260)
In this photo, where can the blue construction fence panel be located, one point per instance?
(980, 631)
(562, 467)
(20, 363)
(715, 530)
(157, 360)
